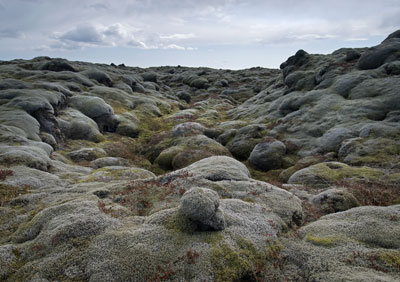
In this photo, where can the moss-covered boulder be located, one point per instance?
(325, 174)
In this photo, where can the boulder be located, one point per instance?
(184, 95)
(187, 129)
(325, 174)
(335, 200)
(99, 76)
(219, 168)
(333, 138)
(87, 154)
(29, 156)
(91, 106)
(374, 58)
(13, 84)
(27, 126)
(96, 109)
(301, 80)
(196, 81)
(117, 173)
(393, 35)
(75, 125)
(379, 151)
(127, 125)
(109, 161)
(352, 55)
(347, 241)
(268, 154)
(187, 150)
(244, 140)
(301, 58)
(57, 65)
(201, 206)
(150, 76)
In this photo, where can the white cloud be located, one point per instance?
(191, 24)
(174, 46)
(178, 36)
(115, 35)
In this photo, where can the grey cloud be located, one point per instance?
(99, 7)
(10, 33)
(83, 33)
(182, 23)
(113, 30)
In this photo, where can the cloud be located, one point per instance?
(174, 46)
(10, 33)
(83, 33)
(99, 6)
(178, 36)
(192, 24)
(118, 35)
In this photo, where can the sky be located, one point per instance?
(229, 34)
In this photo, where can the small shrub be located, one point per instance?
(9, 192)
(370, 193)
(4, 173)
(311, 214)
(140, 195)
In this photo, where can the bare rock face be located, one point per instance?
(201, 206)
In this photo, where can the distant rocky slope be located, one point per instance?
(115, 173)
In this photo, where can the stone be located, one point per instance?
(352, 55)
(196, 81)
(183, 95)
(187, 129)
(326, 174)
(268, 154)
(87, 154)
(29, 156)
(57, 65)
(127, 126)
(109, 161)
(201, 206)
(97, 109)
(13, 84)
(99, 76)
(150, 76)
(375, 58)
(75, 125)
(90, 106)
(114, 173)
(332, 139)
(244, 140)
(393, 35)
(219, 168)
(301, 80)
(335, 200)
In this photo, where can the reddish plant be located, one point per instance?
(370, 193)
(4, 173)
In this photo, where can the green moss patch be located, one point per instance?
(321, 241)
(242, 262)
(391, 258)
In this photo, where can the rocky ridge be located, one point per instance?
(116, 173)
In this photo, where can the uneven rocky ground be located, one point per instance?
(115, 173)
